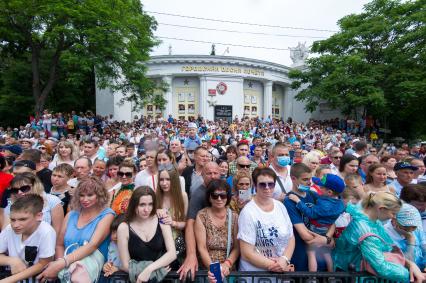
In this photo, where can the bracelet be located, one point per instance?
(65, 260)
(287, 260)
(228, 261)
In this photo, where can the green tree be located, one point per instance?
(72, 39)
(374, 65)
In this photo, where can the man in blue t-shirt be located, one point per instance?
(301, 176)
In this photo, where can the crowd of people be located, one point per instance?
(84, 196)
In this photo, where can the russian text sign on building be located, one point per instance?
(223, 69)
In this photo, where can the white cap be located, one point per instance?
(192, 125)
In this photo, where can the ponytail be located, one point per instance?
(386, 199)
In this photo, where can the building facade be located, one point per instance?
(215, 87)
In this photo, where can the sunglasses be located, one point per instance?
(263, 186)
(122, 174)
(244, 166)
(23, 189)
(218, 195)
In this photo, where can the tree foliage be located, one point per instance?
(64, 43)
(376, 62)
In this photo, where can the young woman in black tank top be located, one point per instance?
(142, 237)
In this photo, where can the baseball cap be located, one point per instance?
(25, 163)
(14, 148)
(404, 165)
(192, 125)
(192, 146)
(408, 215)
(331, 182)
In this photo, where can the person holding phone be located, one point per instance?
(216, 228)
(241, 191)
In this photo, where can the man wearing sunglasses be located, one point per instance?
(242, 150)
(333, 159)
(243, 164)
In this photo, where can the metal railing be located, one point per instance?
(269, 277)
(257, 277)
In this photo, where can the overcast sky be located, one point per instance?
(307, 14)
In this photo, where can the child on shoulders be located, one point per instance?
(322, 215)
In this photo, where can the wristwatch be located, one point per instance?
(328, 240)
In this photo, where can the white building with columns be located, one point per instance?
(215, 87)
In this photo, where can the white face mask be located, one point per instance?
(191, 156)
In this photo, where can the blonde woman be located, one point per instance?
(27, 183)
(367, 220)
(84, 234)
(312, 160)
(67, 153)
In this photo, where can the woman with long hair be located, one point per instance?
(375, 180)
(143, 238)
(67, 153)
(46, 148)
(172, 206)
(165, 159)
(348, 165)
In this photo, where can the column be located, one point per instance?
(203, 96)
(288, 103)
(267, 99)
(168, 95)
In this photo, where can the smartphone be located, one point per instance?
(244, 195)
(215, 269)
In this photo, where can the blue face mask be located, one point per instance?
(283, 161)
(304, 188)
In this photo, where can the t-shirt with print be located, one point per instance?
(299, 259)
(44, 238)
(269, 232)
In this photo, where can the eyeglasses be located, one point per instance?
(263, 186)
(244, 165)
(23, 189)
(122, 174)
(218, 195)
(337, 157)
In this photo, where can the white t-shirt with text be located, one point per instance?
(270, 232)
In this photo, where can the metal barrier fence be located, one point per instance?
(267, 277)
